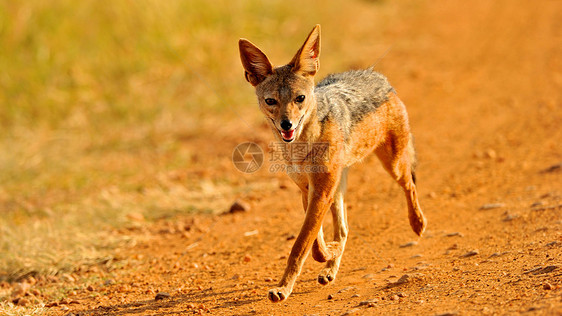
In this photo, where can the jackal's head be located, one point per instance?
(285, 93)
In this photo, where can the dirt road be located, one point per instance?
(483, 85)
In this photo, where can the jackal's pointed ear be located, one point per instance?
(306, 61)
(256, 65)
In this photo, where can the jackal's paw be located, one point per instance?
(278, 294)
(327, 275)
(418, 223)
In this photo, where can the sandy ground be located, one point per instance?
(483, 85)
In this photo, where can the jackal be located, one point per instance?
(357, 113)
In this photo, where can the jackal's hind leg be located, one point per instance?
(397, 158)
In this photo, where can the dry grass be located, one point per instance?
(99, 103)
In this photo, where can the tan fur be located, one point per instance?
(383, 130)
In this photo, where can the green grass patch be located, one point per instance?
(99, 102)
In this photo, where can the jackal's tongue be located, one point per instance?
(288, 135)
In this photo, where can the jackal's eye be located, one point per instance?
(299, 99)
(270, 101)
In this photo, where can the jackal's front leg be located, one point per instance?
(319, 201)
(336, 248)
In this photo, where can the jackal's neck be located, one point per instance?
(311, 126)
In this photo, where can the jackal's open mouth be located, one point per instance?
(288, 136)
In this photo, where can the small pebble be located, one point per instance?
(454, 234)
(90, 288)
(330, 296)
(491, 154)
(510, 217)
(491, 206)
(239, 206)
(547, 286)
(394, 297)
(538, 203)
(367, 302)
(354, 311)
(409, 244)
(403, 279)
(247, 258)
(356, 295)
(161, 296)
(345, 289)
(470, 253)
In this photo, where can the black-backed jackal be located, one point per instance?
(356, 113)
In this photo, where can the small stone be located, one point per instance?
(416, 256)
(491, 154)
(367, 302)
(135, 217)
(353, 311)
(368, 276)
(552, 243)
(345, 289)
(90, 288)
(109, 282)
(251, 233)
(510, 217)
(547, 286)
(553, 168)
(247, 258)
(161, 296)
(470, 253)
(291, 237)
(409, 244)
(403, 279)
(268, 279)
(454, 234)
(330, 296)
(491, 206)
(239, 206)
(547, 269)
(356, 295)
(538, 203)
(394, 297)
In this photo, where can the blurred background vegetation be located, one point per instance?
(102, 104)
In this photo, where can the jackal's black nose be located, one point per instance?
(286, 125)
